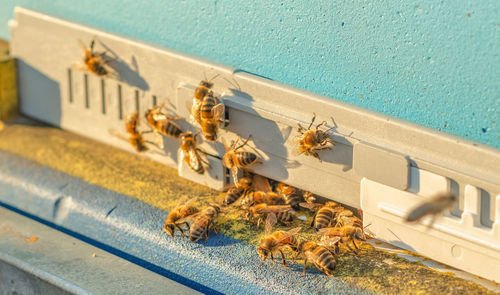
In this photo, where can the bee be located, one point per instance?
(176, 215)
(199, 93)
(259, 197)
(189, 153)
(259, 211)
(203, 222)
(309, 141)
(162, 123)
(346, 233)
(211, 116)
(323, 257)
(135, 137)
(234, 192)
(94, 61)
(289, 195)
(234, 159)
(273, 242)
(433, 206)
(324, 216)
(309, 197)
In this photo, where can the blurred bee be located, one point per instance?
(233, 159)
(94, 61)
(273, 242)
(134, 136)
(346, 233)
(199, 93)
(258, 212)
(324, 216)
(259, 197)
(174, 218)
(203, 222)
(309, 141)
(234, 192)
(211, 116)
(162, 123)
(189, 153)
(433, 206)
(322, 256)
(289, 195)
(309, 197)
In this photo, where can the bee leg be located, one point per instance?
(180, 229)
(312, 121)
(244, 143)
(283, 257)
(315, 154)
(206, 235)
(351, 249)
(305, 262)
(214, 228)
(354, 243)
(272, 258)
(319, 125)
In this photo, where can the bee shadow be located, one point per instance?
(128, 73)
(217, 241)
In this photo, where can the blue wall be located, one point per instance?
(436, 63)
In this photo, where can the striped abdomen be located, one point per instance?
(169, 128)
(292, 200)
(284, 217)
(209, 129)
(324, 260)
(95, 65)
(232, 195)
(137, 142)
(323, 218)
(199, 228)
(244, 159)
(208, 104)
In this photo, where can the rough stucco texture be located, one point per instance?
(435, 63)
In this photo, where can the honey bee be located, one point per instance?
(174, 218)
(162, 123)
(94, 61)
(234, 159)
(289, 195)
(323, 257)
(199, 93)
(234, 192)
(310, 141)
(346, 233)
(324, 216)
(134, 136)
(257, 213)
(259, 197)
(211, 116)
(273, 242)
(189, 153)
(433, 206)
(204, 222)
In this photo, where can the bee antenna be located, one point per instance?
(366, 226)
(213, 78)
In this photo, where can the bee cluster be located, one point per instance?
(259, 199)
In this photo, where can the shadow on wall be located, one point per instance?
(39, 96)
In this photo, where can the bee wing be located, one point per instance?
(224, 143)
(218, 111)
(194, 160)
(326, 231)
(328, 242)
(295, 146)
(275, 209)
(289, 233)
(234, 171)
(187, 218)
(310, 206)
(271, 220)
(261, 183)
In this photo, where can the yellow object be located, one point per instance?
(8, 84)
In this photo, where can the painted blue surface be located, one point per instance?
(132, 230)
(435, 63)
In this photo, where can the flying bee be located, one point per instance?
(204, 222)
(433, 206)
(189, 153)
(234, 192)
(310, 141)
(289, 195)
(174, 218)
(257, 213)
(94, 61)
(234, 159)
(162, 123)
(346, 233)
(273, 242)
(259, 197)
(211, 116)
(322, 256)
(134, 136)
